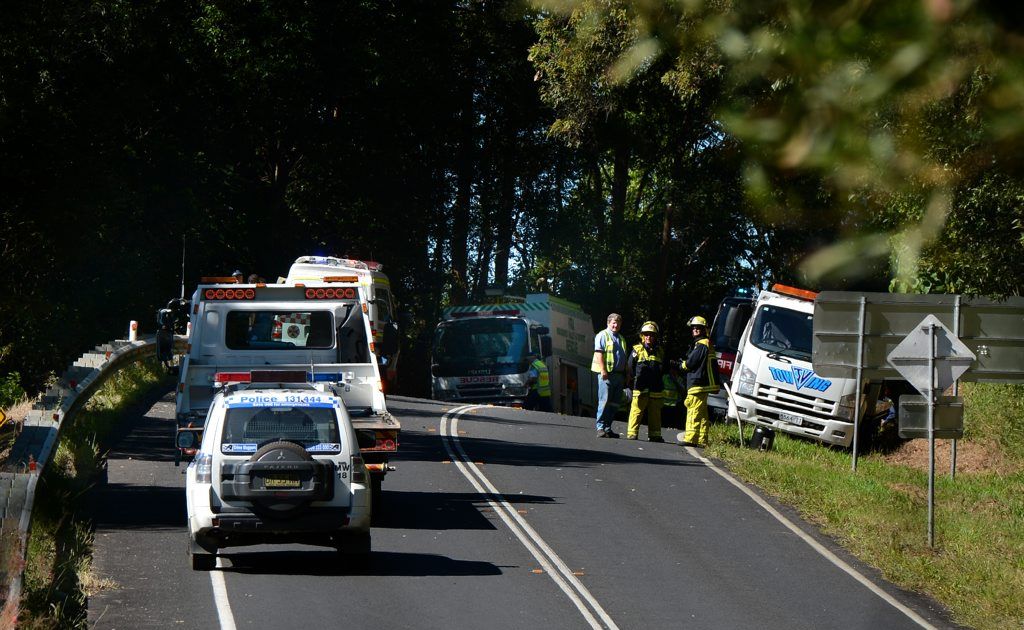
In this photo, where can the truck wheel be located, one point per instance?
(867, 434)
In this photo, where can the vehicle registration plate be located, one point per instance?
(282, 482)
(790, 418)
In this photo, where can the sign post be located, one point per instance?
(931, 358)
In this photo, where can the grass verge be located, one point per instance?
(879, 512)
(58, 574)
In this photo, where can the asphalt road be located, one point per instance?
(496, 518)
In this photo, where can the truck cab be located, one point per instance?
(481, 353)
(773, 382)
(379, 300)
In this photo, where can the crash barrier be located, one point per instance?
(35, 444)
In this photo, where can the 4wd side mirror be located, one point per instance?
(545, 346)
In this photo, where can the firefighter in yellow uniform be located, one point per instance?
(701, 380)
(539, 396)
(646, 366)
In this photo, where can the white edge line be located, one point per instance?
(814, 544)
(220, 598)
(527, 535)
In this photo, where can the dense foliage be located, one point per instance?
(642, 157)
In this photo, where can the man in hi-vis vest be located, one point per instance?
(701, 380)
(539, 381)
(610, 357)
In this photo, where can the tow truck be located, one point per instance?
(250, 333)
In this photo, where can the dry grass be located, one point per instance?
(16, 415)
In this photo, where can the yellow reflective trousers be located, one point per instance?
(696, 418)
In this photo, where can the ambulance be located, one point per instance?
(481, 353)
(370, 275)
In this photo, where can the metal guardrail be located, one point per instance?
(35, 444)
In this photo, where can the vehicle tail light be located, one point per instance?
(204, 468)
(340, 293)
(265, 376)
(231, 377)
(358, 470)
(383, 440)
(228, 294)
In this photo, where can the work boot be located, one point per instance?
(656, 438)
(610, 433)
(630, 437)
(601, 433)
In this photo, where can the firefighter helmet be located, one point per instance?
(697, 320)
(649, 327)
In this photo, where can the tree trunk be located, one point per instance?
(459, 235)
(620, 186)
(503, 241)
(661, 278)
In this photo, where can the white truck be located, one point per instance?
(481, 353)
(773, 382)
(248, 333)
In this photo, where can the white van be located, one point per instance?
(773, 382)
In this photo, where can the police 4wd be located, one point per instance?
(279, 463)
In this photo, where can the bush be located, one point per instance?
(11, 392)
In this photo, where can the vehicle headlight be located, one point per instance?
(845, 407)
(745, 383)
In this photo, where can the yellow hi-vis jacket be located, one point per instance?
(609, 353)
(647, 366)
(700, 368)
(543, 384)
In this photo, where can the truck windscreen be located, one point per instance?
(481, 347)
(784, 331)
(279, 330)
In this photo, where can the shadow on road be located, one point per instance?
(442, 510)
(326, 563)
(124, 506)
(429, 447)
